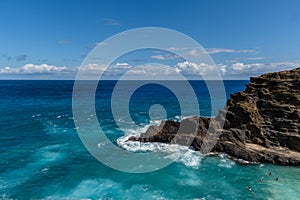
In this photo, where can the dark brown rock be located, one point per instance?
(262, 123)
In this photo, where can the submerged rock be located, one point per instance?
(261, 124)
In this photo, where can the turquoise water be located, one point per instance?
(42, 156)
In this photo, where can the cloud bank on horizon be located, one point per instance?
(235, 71)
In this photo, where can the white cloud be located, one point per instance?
(222, 68)
(219, 50)
(246, 51)
(122, 64)
(233, 60)
(159, 57)
(224, 50)
(238, 66)
(175, 49)
(32, 69)
(167, 56)
(260, 67)
(241, 70)
(242, 66)
(193, 69)
(8, 70)
(196, 52)
(256, 58)
(152, 70)
(92, 68)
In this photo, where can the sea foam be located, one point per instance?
(177, 153)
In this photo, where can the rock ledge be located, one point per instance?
(262, 123)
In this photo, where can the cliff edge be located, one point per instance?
(261, 124)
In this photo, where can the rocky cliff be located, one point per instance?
(262, 123)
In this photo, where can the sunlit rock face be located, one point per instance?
(262, 123)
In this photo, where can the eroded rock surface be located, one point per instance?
(262, 123)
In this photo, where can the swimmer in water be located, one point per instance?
(249, 188)
(270, 174)
(261, 180)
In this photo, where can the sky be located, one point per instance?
(49, 39)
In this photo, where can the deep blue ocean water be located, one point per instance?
(42, 156)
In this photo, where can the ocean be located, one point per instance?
(42, 156)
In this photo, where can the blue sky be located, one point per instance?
(244, 37)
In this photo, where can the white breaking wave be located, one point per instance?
(177, 153)
(225, 161)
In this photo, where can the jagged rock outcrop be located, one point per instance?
(262, 123)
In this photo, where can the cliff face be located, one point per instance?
(262, 123)
(266, 119)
